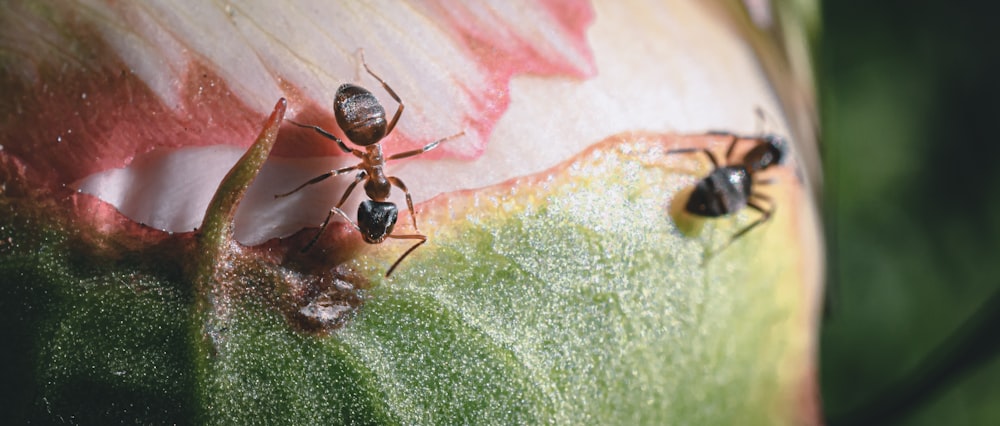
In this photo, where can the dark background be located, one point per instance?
(910, 101)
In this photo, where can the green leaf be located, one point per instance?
(566, 297)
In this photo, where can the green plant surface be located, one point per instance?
(566, 297)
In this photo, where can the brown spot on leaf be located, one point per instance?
(322, 303)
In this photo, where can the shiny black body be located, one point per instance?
(730, 187)
(723, 191)
(376, 220)
(362, 118)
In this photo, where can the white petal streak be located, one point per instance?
(314, 48)
(431, 53)
(170, 190)
(153, 54)
(515, 27)
(165, 190)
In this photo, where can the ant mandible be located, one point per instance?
(730, 187)
(362, 118)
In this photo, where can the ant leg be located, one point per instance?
(732, 144)
(331, 136)
(327, 222)
(422, 238)
(729, 151)
(409, 201)
(426, 148)
(318, 179)
(763, 118)
(399, 110)
(350, 188)
(711, 156)
(765, 216)
(767, 181)
(361, 176)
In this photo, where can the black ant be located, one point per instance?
(729, 188)
(362, 118)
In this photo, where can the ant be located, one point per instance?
(730, 187)
(362, 118)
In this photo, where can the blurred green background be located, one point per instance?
(910, 101)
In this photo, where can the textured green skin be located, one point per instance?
(569, 297)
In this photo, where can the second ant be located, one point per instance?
(731, 186)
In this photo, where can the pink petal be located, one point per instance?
(104, 93)
(160, 76)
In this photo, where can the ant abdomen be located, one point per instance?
(720, 193)
(360, 115)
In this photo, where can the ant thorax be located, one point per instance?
(373, 155)
(377, 185)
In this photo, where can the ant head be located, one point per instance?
(770, 151)
(376, 220)
(359, 115)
